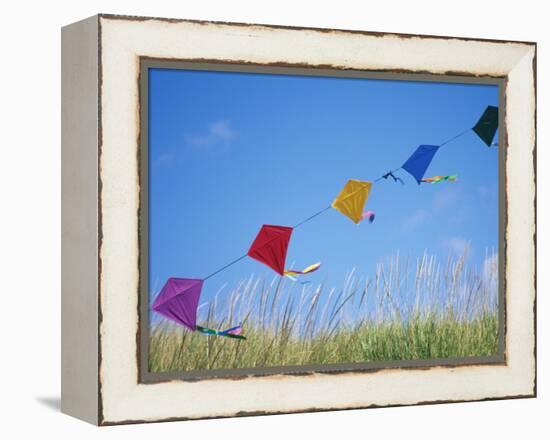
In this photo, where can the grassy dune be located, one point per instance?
(417, 310)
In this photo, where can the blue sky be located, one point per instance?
(232, 151)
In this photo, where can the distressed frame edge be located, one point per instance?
(104, 422)
(315, 410)
(535, 274)
(142, 18)
(533, 170)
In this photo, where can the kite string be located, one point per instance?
(311, 217)
(386, 174)
(455, 137)
(322, 211)
(225, 267)
(235, 261)
(330, 206)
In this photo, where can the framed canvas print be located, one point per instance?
(263, 220)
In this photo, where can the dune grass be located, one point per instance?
(419, 310)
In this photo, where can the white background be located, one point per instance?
(30, 218)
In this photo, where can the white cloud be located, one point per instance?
(417, 218)
(222, 130)
(457, 245)
(488, 192)
(165, 159)
(217, 137)
(446, 197)
(490, 278)
(218, 133)
(490, 268)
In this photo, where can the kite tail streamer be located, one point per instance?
(292, 273)
(437, 179)
(392, 175)
(369, 215)
(233, 332)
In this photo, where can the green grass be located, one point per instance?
(404, 312)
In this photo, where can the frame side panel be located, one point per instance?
(79, 212)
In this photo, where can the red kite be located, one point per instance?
(270, 247)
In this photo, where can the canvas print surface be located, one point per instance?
(307, 220)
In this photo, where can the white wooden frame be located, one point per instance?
(101, 194)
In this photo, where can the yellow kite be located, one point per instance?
(351, 200)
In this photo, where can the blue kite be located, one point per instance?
(418, 163)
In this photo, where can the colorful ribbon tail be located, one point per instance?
(394, 177)
(226, 333)
(233, 330)
(234, 336)
(437, 179)
(206, 330)
(296, 280)
(292, 273)
(369, 215)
